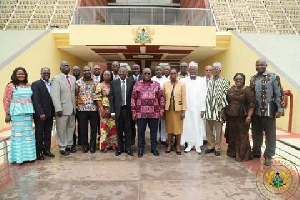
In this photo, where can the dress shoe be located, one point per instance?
(118, 153)
(268, 161)
(40, 156)
(188, 148)
(105, 150)
(130, 153)
(85, 149)
(256, 154)
(92, 150)
(178, 152)
(64, 152)
(198, 150)
(71, 150)
(140, 153)
(166, 151)
(164, 143)
(49, 154)
(217, 153)
(155, 152)
(209, 151)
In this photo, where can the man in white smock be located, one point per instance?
(194, 124)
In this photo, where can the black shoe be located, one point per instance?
(164, 143)
(71, 150)
(85, 149)
(178, 152)
(40, 156)
(256, 154)
(118, 153)
(217, 153)
(155, 152)
(167, 151)
(92, 150)
(49, 154)
(209, 151)
(130, 153)
(204, 142)
(64, 152)
(140, 153)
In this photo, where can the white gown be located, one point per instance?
(193, 124)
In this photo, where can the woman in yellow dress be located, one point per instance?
(175, 107)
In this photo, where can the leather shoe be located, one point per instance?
(209, 151)
(217, 153)
(118, 153)
(256, 154)
(40, 156)
(140, 153)
(155, 152)
(268, 161)
(71, 150)
(64, 152)
(92, 150)
(49, 154)
(130, 153)
(85, 149)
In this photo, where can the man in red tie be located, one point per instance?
(63, 97)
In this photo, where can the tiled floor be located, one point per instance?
(105, 176)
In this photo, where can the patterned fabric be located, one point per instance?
(20, 108)
(216, 98)
(85, 94)
(268, 94)
(108, 137)
(239, 101)
(22, 141)
(147, 100)
(7, 97)
(21, 101)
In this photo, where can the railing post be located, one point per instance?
(5, 152)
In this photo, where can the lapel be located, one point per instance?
(127, 86)
(64, 79)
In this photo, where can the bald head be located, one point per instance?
(146, 75)
(261, 65)
(207, 71)
(158, 71)
(65, 67)
(115, 65)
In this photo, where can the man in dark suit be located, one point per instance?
(120, 101)
(44, 113)
(76, 74)
(136, 76)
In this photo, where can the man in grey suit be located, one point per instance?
(63, 97)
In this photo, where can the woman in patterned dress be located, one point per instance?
(19, 112)
(241, 102)
(108, 138)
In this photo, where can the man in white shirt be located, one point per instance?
(162, 128)
(97, 73)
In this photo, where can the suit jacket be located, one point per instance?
(116, 97)
(139, 78)
(179, 97)
(41, 100)
(62, 95)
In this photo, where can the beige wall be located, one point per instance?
(240, 58)
(42, 54)
(163, 35)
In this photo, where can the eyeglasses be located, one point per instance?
(208, 70)
(147, 73)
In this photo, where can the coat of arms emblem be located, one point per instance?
(143, 35)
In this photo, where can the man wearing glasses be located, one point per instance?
(147, 106)
(269, 106)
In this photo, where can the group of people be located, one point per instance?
(178, 107)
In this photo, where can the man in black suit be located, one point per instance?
(44, 113)
(136, 76)
(120, 102)
(76, 74)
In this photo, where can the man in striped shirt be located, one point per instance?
(215, 103)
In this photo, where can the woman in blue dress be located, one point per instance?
(19, 112)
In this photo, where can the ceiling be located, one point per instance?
(144, 55)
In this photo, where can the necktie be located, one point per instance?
(68, 80)
(123, 93)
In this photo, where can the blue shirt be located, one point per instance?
(48, 85)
